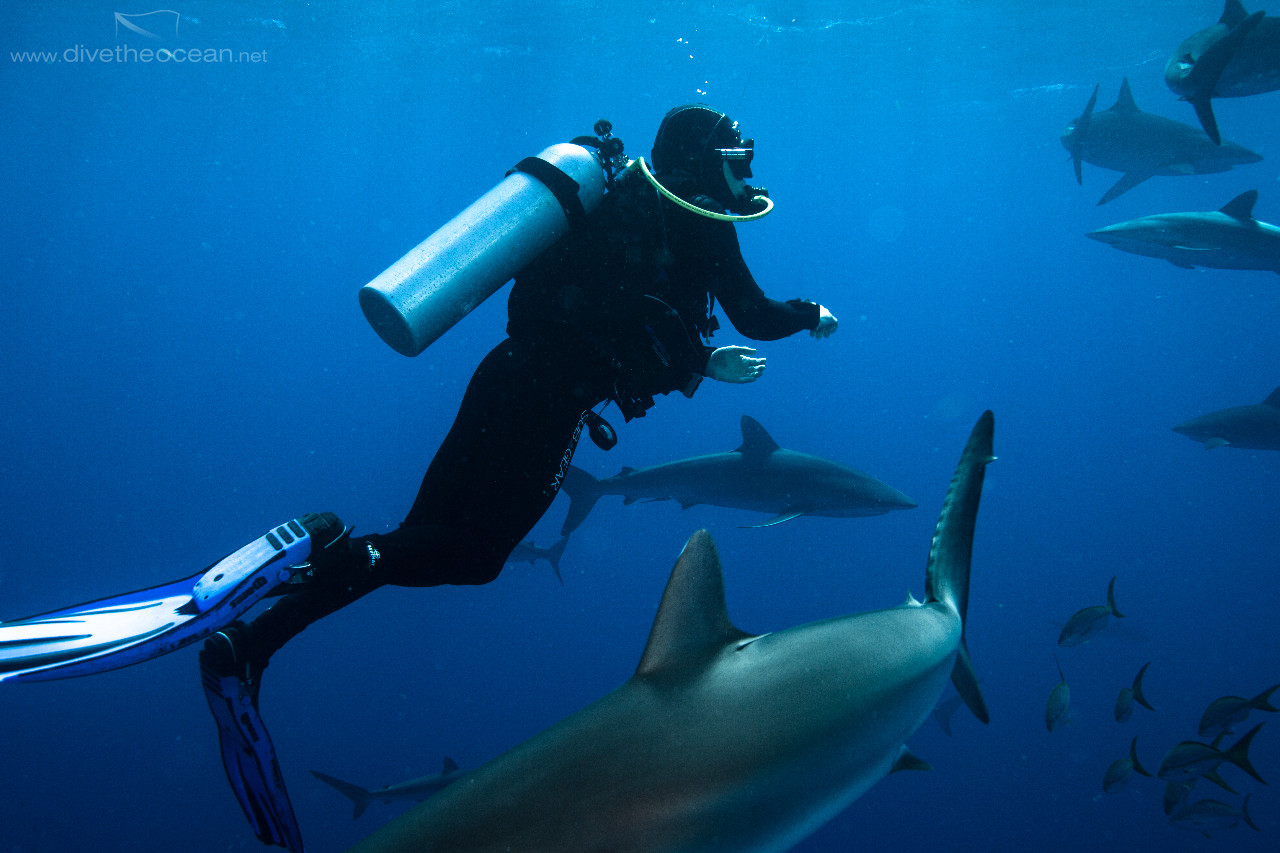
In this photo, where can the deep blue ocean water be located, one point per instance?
(185, 365)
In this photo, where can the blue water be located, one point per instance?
(185, 364)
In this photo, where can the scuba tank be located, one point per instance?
(441, 280)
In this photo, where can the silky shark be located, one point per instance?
(1228, 238)
(1141, 145)
(1234, 58)
(1255, 427)
(759, 475)
(723, 740)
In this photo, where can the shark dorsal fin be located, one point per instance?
(1233, 12)
(1273, 400)
(1241, 207)
(450, 766)
(1124, 101)
(756, 442)
(692, 622)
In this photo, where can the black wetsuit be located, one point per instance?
(617, 310)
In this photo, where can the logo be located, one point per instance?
(257, 584)
(157, 20)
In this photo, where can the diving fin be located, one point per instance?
(250, 759)
(137, 626)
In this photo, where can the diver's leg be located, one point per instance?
(498, 469)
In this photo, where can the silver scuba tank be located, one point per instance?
(441, 280)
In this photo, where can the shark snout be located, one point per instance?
(891, 498)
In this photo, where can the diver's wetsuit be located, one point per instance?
(579, 335)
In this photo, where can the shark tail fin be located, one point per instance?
(947, 575)
(359, 796)
(554, 553)
(583, 491)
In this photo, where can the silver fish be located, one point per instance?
(1227, 711)
(1129, 695)
(1191, 759)
(1118, 773)
(1084, 624)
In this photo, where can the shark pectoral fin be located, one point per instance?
(686, 504)
(966, 684)
(1203, 78)
(1081, 133)
(1216, 441)
(1122, 186)
(907, 761)
(1204, 111)
(787, 515)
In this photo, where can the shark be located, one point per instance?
(414, 789)
(758, 475)
(724, 740)
(1234, 58)
(529, 552)
(1226, 238)
(1142, 145)
(1255, 427)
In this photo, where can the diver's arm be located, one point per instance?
(752, 312)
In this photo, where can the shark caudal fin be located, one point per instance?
(583, 491)
(554, 553)
(947, 575)
(359, 796)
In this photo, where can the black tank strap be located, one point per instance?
(563, 187)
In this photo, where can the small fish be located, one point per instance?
(1055, 713)
(1205, 816)
(1118, 772)
(527, 552)
(1176, 792)
(1129, 695)
(1081, 627)
(1191, 759)
(1226, 712)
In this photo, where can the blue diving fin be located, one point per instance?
(250, 759)
(137, 626)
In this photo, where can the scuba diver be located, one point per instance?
(618, 310)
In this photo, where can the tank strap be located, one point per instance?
(563, 187)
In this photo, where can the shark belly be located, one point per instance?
(770, 739)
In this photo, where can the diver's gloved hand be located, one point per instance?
(734, 364)
(827, 324)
